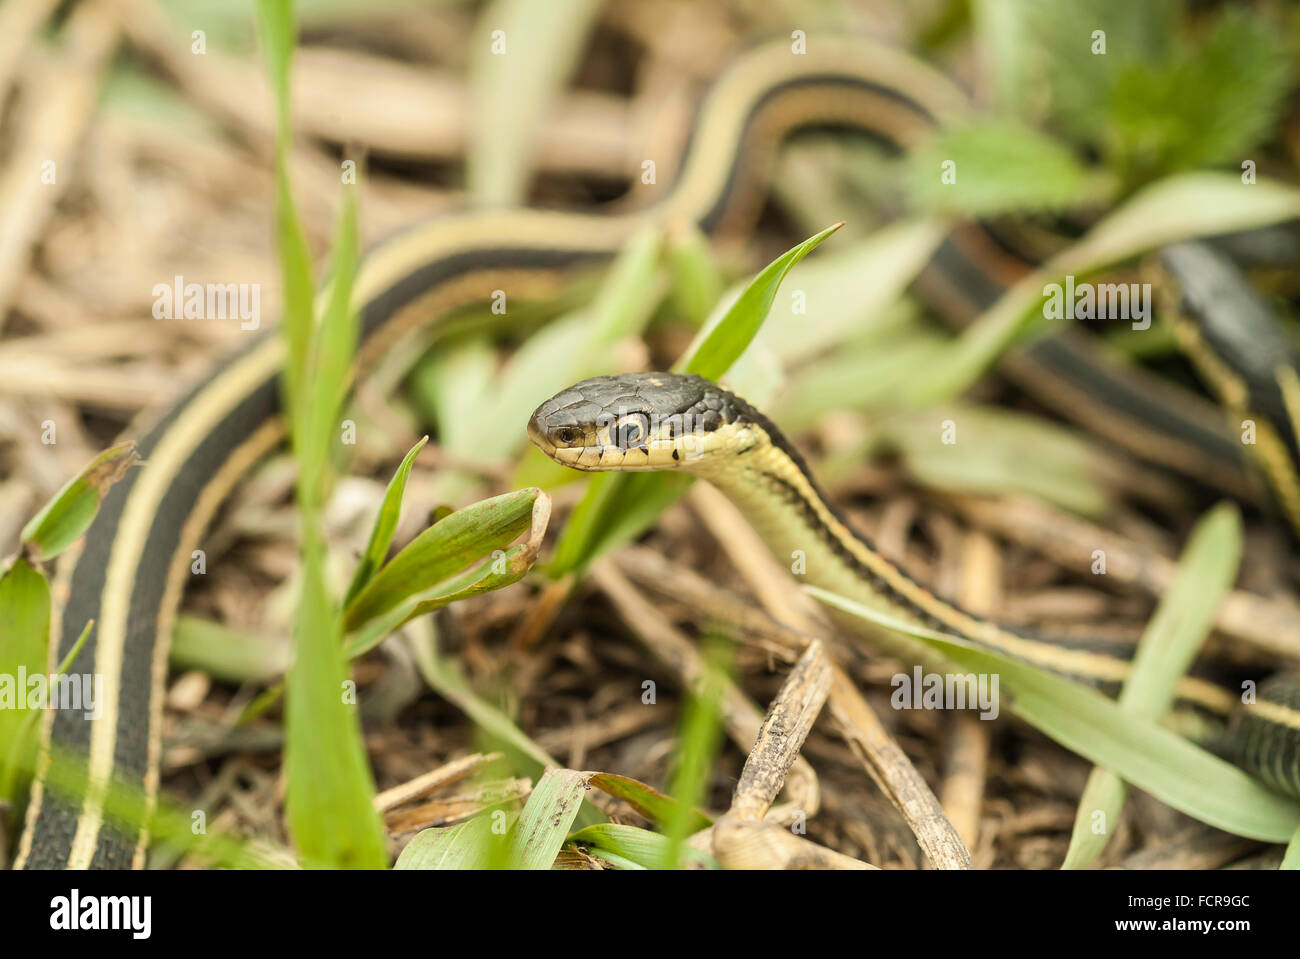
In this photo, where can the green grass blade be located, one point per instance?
(71, 511)
(546, 818)
(330, 364)
(994, 451)
(649, 802)
(1001, 166)
(24, 649)
(1170, 642)
(278, 32)
(381, 534)
(330, 792)
(699, 737)
(444, 548)
(1144, 753)
(629, 847)
(466, 845)
(522, 56)
(717, 348)
(1291, 860)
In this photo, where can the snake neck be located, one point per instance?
(772, 486)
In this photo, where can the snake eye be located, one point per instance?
(567, 435)
(631, 430)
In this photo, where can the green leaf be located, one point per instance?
(24, 649)
(1292, 858)
(330, 793)
(1063, 74)
(1169, 644)
(720, 345)
(649, 802)
(629, 847)
(333, 345)
(523, 53)
(381, 534)
(466, 845)
(544, 823)
(497, 571)
(996, 166)
(1209, 104)
(278, 32)
(73, 508)
(699, 736)
(446, 547)
(1139, 750)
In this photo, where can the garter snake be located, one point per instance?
(673, 421)
(129, 572)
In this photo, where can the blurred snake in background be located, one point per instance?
(130, 571)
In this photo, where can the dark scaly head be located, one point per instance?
(644, 421)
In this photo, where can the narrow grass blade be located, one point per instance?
(501, 569)
(699, 737)
(1291, 860)
(1172, 638)
(330, 364)
(628, 847)
(522, 56)
(545, 821)
(330, 792)
(449, 545)
(24, 651)
(717, 348)
(649, 802)
(73, 508)
(1142, 752)
(278, 31)
(381, 534)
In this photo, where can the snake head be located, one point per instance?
(637, 421)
